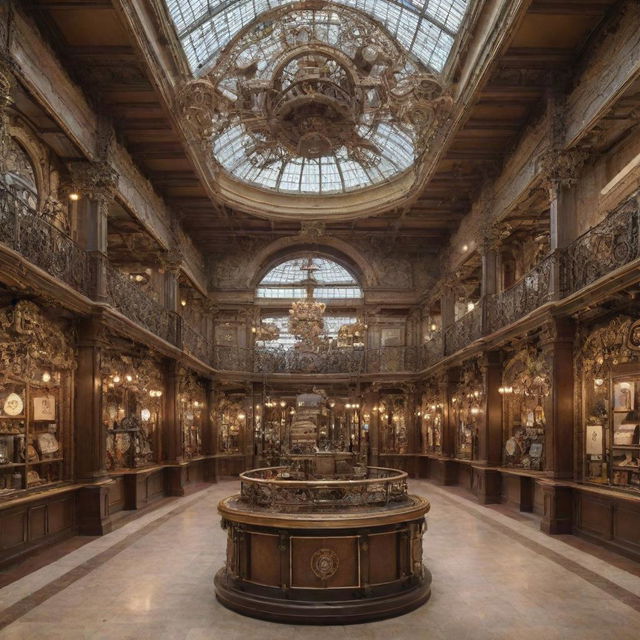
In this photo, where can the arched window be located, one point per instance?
(20, 174)
(289, 280)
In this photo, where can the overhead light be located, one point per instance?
(74, 197)
(116, 379)
(46, 376)
(471, 306)
(183, 302)
(465, 247)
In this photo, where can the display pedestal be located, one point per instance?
(318, 563)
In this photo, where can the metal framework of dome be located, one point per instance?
(316, 98)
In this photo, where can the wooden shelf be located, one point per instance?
(47, 460)
(11, 465)
(629, 468)
(21, 417)
(625, 446)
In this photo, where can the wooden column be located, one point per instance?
(96, 183)
(210, 436)
(487, 480)
(445, 470)
(171, 437)
(374, 430)
(557, 346)
(90, 431)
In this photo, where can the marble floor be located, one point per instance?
(495, 576)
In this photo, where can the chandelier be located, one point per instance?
(352, 335)
(266, 331)
(306, 317)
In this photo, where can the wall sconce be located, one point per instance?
(241, 416)
(46, 376)
(283, 404)
(116, 379)
(475, 411)
(74, 196)
(598, 382)
(505, 390)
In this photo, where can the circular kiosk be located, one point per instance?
(323, 551)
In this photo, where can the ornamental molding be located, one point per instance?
(313, 100)
(97, 180)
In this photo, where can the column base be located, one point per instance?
(558, 509)
(93, 510)
(487, 485)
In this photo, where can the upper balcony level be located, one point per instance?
(608, 253)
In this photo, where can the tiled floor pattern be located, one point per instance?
(494, 577)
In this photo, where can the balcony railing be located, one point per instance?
(134, 303)
(604, 248)
(432, 351)
(194, 343)
(531, 292)
(43, 244)
(464, 331)
(608, 246)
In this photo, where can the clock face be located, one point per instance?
(13, 405)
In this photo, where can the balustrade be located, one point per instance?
(529, 293)
(464, 331)
(43, 244)
(137, 305)
(604, 248)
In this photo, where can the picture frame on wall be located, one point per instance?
(594, 439)
(623, 396)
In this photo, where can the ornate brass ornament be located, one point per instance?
(319, 91)
(30, 341)
(325, 563)
(633, 339)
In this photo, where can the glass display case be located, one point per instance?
(35, 405)
(192, 414)
(132, 388)
(466, 406)
(526, 386)
(231, 419)
(392, 412)
(431, 414)
(609, 365)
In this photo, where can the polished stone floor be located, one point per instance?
(494, 576)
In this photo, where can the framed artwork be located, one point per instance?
(593, 439)
(623, 396)
(44, 408)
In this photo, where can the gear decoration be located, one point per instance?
(324, 563)
(320, 87)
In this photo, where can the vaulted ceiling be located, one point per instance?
(101, 50)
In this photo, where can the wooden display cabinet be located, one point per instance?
(34, 433)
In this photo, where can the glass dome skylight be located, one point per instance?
(316, 98)
(425, 28)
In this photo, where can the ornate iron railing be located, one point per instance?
(529, 293)
(267, 488)
(43, 244)
(433, 350)
(392, 359)
(606, 247)
(464, 331)
(333, 360)
(194, 343)
(232, 358)
(134, 303)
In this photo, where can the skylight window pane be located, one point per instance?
(310, 177)
(448, 12)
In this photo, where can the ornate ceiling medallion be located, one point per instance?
(315, 101)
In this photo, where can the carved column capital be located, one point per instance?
(171, 261)
(97, 180)
(561, 169)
